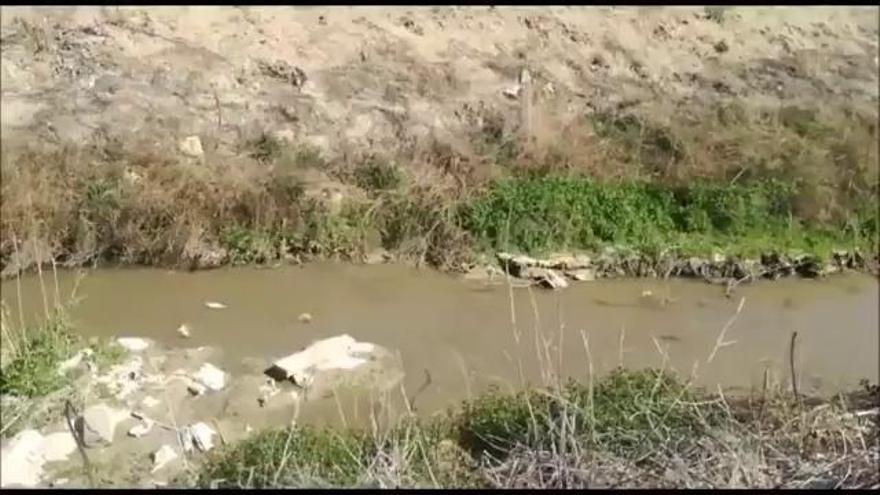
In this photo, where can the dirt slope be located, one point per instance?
(375, 78)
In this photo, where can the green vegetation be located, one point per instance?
(732, 180)
(31, 386)
(32, 372)
(539, 214)
(643, 428)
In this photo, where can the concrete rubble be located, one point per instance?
(340, 352)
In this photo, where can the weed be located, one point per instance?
(34, 371)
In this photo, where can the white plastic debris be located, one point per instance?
(133, 344)
(142, 428)
(215, 305)
(163, 456)
(73, 362)
(203, 436)
(340, 352)
(211, 376)
(183, 331)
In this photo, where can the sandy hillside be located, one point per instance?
(376, 78)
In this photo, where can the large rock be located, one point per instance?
(340, 352)
(98, 424)
(22, 460)
(23, 457)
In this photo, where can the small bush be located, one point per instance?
(290, 458)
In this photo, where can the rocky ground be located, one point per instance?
(152, 417)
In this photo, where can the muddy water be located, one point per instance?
(468, 334)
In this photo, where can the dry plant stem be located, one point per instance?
(791, 348)
(719, 343)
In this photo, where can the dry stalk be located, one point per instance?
(719, 342)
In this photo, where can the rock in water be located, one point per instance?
(215, 305)
(340, 352)
(305, 318)
(133, 344)
(211, 376)
(183, 331)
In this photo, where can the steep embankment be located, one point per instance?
(203, 135)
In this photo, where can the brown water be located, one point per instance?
(462, 333)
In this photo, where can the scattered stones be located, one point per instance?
(340, 352)
(183, 331)
(283, 71)
(133, 344)
(211, 377)
(192, 147)
(203, 436)
(98, 424)
(162, 457)
(215, 305)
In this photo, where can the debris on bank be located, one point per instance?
(553, 272)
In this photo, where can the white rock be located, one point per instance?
(99, 424)
(192, 147)
(513, 92)
(203, 436)
(22, 460)
(211, 376)
(150, 402)
(185, 437)
(141, 429)
(305, 318)
(133, 344)
(162, 457)
(582, 275)
(340, 352)
(183, 331)
(215, 305)
(58, 446)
